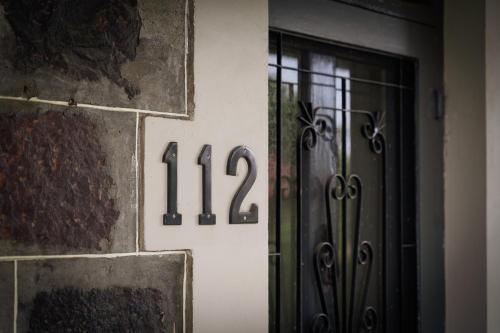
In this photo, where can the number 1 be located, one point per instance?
(170, 158)
(205, 160)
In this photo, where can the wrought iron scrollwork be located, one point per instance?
(373, 131)
(368, 314)
(352, 189)
(338, 189)
(325, 261)
(370, 319)
(309, 135)
(359, 316)
(314, 126)
(321, 324)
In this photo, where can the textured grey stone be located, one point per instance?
(158, 70)
(6, 296)
(111, 231)
(158, 273)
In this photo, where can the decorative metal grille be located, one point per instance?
(347, 254)
(340, 188)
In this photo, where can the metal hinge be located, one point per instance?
(439, 101)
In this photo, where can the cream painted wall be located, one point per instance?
(465, 167)
(493, 161)
(230, 261)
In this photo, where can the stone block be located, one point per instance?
(143, 293)
(67, 180)
(130, 54)
(6, 296)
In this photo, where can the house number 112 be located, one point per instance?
(173, 217)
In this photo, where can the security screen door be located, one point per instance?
(342, 188)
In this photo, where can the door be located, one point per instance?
(344, 183)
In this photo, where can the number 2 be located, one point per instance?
(235, 216)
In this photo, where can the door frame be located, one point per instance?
(358, 27)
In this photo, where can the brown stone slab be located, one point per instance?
(67, 180)
(6, 296)
(134, 293)
(130, 54)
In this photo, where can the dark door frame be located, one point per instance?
(358, 27)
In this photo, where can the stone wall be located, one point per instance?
(77, 78)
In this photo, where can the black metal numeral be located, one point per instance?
(235, 216)
(170, 158)
(205, 160)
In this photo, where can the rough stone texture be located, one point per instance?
(84, 39)
(54, 181)
(115, 309)
(143, 286)
(89, 56)
(67, 180)
(6, 296)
